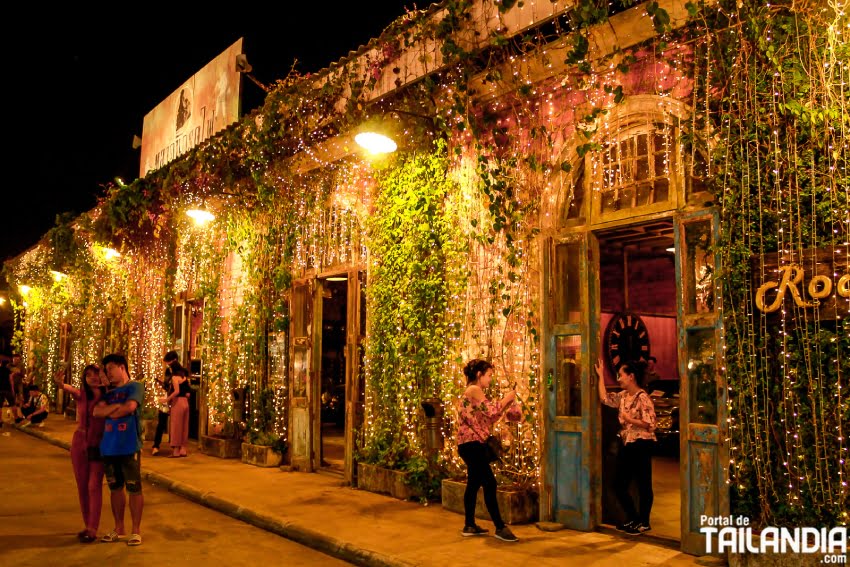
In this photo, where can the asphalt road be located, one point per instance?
(40, 517)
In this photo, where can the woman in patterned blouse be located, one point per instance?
(476, 416)
(637, 434)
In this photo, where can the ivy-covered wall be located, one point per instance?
(451, 231)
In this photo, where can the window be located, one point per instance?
(635, 168)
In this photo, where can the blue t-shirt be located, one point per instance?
(123, 435)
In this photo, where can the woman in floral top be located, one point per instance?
(476, 416)
(637, 433)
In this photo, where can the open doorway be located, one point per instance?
(638, 291)
(332, 387)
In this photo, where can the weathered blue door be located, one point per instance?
(702, 389)
(570, 475)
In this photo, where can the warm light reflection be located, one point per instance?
(200, 216)
(375, 143)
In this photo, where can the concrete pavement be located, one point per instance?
(318, 511)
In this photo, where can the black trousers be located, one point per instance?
(479, 474)
(634, 462)
(161, 426)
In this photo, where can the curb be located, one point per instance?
(274, 524)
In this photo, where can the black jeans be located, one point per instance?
(478, 474)
(634, 462)
(161, 426)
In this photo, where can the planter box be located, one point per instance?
(516, 506)
(223, 448)
(384, 481)
(149, 427)
(260, 455)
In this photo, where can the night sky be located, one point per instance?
(83, 80)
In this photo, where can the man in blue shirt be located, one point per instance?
(121, 446)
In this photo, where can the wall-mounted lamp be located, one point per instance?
(201, 216)
(110, 253)
(671, 249)
(381, 134)
(2, 300)
(337, 279)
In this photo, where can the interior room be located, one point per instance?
(637, 276)
(334, 314)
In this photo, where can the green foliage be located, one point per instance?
(417, 251)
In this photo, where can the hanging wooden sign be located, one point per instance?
(815, 279)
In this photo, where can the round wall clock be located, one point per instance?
(626, 340)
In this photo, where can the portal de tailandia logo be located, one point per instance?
(733, 534)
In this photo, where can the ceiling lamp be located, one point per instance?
(200, 216)
(338, 279)
(110, 253)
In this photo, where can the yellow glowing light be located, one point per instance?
(200, 216)
(338, 279)
(58, 276)
(110, 253)
(24, 289)
(375, 143)
(2, 300)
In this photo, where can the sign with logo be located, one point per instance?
(814, 279)
(202, 106)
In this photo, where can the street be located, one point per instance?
(41, 517)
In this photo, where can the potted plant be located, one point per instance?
(149, 419)
(223, 440)
(262, 447)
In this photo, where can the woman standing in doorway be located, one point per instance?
(476, 416)
(636, 413)
(178, 399)
(85, 446)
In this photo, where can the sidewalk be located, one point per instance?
(317, 511)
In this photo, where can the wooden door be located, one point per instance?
(354, 335)
(301, 372)
(571, 474)
(702, 390)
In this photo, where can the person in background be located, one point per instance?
(636, 414)
(34, 409)
(85, 446)
(178, 400)
(121, 446)
(7, 392)
(162, 408)
(651, 373)
(476, 416)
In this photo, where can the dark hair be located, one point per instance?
(475, 367)
(115, 358)
(170, 355)
(652, 358)
(89, 391)
(638, 368)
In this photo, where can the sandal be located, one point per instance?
(135, 539)
(112, 537)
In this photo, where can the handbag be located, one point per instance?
(493, 449)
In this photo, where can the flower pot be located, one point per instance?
(516, 506)
(260, 455)
(221, 447)
(384, 481)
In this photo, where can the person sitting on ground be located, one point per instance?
(35, 408)
(7, 391)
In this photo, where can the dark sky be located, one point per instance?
(83, 80)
